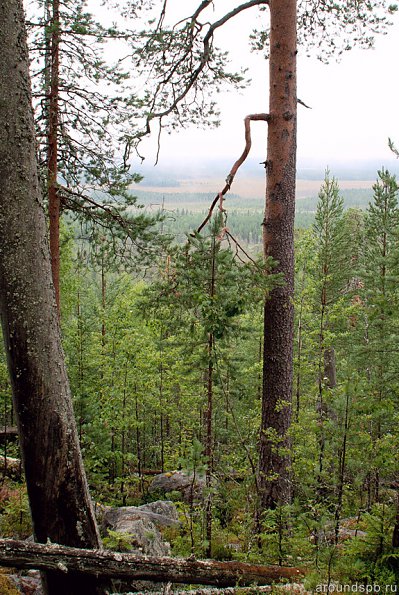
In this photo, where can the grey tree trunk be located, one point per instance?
(330, 368)
(59, 499)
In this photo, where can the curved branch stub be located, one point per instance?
(230, 178)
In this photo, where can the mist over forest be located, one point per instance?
(199, 372)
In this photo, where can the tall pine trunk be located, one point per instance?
(278, 241)
(209, 413)
(59, 499)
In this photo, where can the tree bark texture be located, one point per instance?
(209, 415)
(60, 504)
(395, 534)
(114, 565)
(330, 368)
(54, 207)
(278, 240)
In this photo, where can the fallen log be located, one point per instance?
(114, 565)
(8, 432)
(228, 591)
(138, 472)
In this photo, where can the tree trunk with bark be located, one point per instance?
(209, 414)
(330, 368)
(130, 567)
(395, 534)
(278, 240)
(59, 499)
(54, 205)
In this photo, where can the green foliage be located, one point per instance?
(194, 464)
(332, 28)
(147, 359)
(118, 541)
(238, 285)
(329, 237)
(91, 129)
(15, 519)
(276, 533)
(138, 359)
(88, 155)
(369, 557)
(181, 65)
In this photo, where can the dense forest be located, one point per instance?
(184, 212)
(194, 389)
(137, 355)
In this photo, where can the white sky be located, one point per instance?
(354, 103)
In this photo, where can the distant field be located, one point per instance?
(196, 195)
(185, 205)
(249, 188)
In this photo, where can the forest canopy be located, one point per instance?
(160, 337)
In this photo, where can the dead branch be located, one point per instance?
(237, 164)
(241, 248)
(107, 565)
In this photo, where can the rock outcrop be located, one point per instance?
(143, 524)
(176, 481)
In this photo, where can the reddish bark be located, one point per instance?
(278, 238)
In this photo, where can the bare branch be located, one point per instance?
(206, 50)
(200, 8)
(241, 248)
(161, 17)
(234, 13)
(237, 164)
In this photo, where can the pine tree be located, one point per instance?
(81, 126)
(331, 273)
(381, 324)
(210, 289)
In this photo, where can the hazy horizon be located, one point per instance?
(203, 175)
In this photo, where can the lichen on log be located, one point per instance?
(112, 565)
